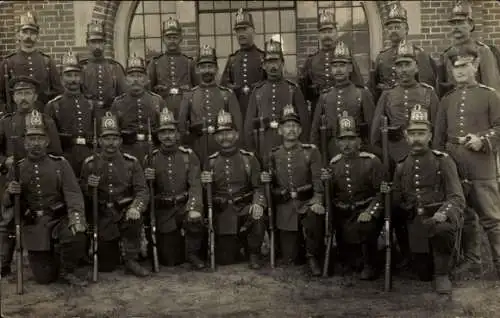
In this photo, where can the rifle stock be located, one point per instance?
(152, 213)
(387, 209)
(328, 200)
(95, 212)
(18, 222)
(211, 233)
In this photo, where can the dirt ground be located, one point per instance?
(236, 291)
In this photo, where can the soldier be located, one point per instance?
(384, 75)
(135, 108)
(52, 207)
(316, 74)
(268, 99)
(427, 190)
(357, 176)
(462, 28)
(31, 62)
(238, 196)
(123, 197)
(73, 115)
(172, 73)
(201, 105)
(103, 78)
(468, 128)
(179, 199)
(244, 67)
(343, 96)
(298, 193)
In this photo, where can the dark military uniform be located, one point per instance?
(172, 73)
(244, 67)
(122, 185)
(36, 64)
(73, 115)
(51, 203)
(267, 100)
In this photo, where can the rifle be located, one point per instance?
(265, 164)
(387, 208)
(18, 221)
(211, 233)
(152, 213)
(328, 199)
(95, 211)
(8, 103)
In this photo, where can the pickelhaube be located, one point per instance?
(406, 52)
(70, 62)
(23, 82)
(397, 14)
(207, 55)
(171, 26)
(167, 120)
(419, 118)
(347, 126)
(326, 20)
(461, 11)
(95, 30)
(341, 53)
(224, 121)
(136, 64)
(243, 19)
(109, 125)
(273, 51)
(29, 21)
(288, 114)
(463, 55)
(35, 124)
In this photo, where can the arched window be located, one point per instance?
(146, 26)
(352, 25)
(272, 19)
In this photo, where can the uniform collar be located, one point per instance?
(343, 84)
(250, 48)
(229, 152)
(421, 154)
(70, 94)
(413, 84)
(37, 160)
(213, 84)
(168, 151)
(293, 147)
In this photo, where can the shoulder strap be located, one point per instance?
(246, 162)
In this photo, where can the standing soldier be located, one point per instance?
(357, 176)
(136, 108)
(427, 190)
(268, 99)
(343, 96)
(298, 193)
(201, 105)
(52, 207)
(73, 115)
(462, 28)
(172, 73)
(175, 171)
(103, 78)
(384, 75)
(244, 67)
(31, 62)
(238, 196)
(316, 74)
(468, 128)
(123, 197)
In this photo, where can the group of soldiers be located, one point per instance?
(163, 151)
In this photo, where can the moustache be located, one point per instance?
(417, 143)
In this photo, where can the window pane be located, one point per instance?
(221, 5)
(151, 6)
(287, 4)
(359, 18)
(288, 21)
(207, 40)
(221, 62)
(168, 7)
(363, 61)
(342, 3)
(290, 66)
(237, 4)
(259, 41)
(222, 23)
(205, 5)
(325, 4)
(361, 42)
(271, 21)
(343, 18)
(357, 3)
(254, 4)
(138, 9)
(273, 36)
(206, 21)
(288, 43)
(137, 27)
(258, 22)
(271, 4)
(153, 47)
(153, 25)
(136, 47)
(223, 45)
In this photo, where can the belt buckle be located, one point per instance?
(230, 201)
(110, 205)
(420, 211)
(210, 129)
(81, 141)
(100, 103)
(246, 89)
(174, 91)
(141, 137)
(293, 194)
(39, 213)
(274, 124)
(462, 140)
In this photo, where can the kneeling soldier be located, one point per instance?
(179, 199)
(427, 188)
(237, 195)
(298, 192)
(52, 207)
(123, 196)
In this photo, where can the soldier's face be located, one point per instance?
(273, 68)
(96, 46)
(245, 35)
(396, 31)
(464, 73)
(341, 70)
(28, 37)
(406, 70)
(418, 139)
(207, 71)
(136, 80)
(290, 130)
(110, 143)
(172, 42)
(25, 99)
(328, 36)
(36, 145)
(168, 137)
(227, 138)
(349, 145)
(72, 80)
(461, 29)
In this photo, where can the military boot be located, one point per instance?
(73, 280)
(442, 284)
(313, 266)
(368, 273)
(195, 262)
(254, 261)
(136, 269)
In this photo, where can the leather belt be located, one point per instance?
(354, 205)
(171, 201)
(80, 141)
(174, 91)
(141, 137)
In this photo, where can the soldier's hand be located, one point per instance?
(257, 211)
(14, 187)
(150, 173)
(9, 161)
(206, 177)
(318, 208)
(439, 217)
(364, 217)
(265, 177)
(193, 216)
(473, 142)
(385, 187)
(133, 214)
(325, 174)
(77, 228)
(93, 180)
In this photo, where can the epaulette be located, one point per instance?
(129, 157)
(385, 49)
(83, 61)
(426, 85)
(154, 94)
(482, 44)
(9, 55)
(326, 90)
(188, 57)
(6, 115)
(292, 83)
(214, 155)
(44, 54)
(194, 88)
(276, 148)
(155, 151)
(309, 146)
(259, 84)
(336, 158)
(487, 87)
(116, 63)
(449, 92)
(54, 157)
(225, 88)
(439, 153)
(246, 153)
(360, 86)
(55, 99)
(365, 154)
(448, 48)
(88, 159)
(402, 160)
(313, 54)
(121, 96)
(260, 50)
(186, 149)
